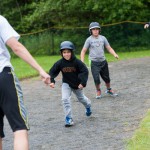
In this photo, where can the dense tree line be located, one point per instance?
(33, 15)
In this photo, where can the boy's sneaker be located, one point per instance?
(88, 111)
(69, 122)
(98, 94)
(111, 92)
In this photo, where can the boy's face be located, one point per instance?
(95, 31)
(66, 53)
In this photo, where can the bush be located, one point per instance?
(123, 37)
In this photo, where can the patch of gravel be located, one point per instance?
(112, 122)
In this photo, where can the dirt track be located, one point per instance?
(113, 121)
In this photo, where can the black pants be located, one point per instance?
(100, 69)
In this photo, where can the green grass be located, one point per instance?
(23, 70)
(141, 137)
(129, 55)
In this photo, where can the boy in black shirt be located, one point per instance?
(74, 79)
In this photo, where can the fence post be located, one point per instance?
(52, 41)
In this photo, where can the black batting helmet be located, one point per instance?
(67, 45)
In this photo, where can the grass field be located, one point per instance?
(141, 137)
(23, 70)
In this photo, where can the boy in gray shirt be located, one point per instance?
(99, 66)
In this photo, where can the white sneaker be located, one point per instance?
(98, 94)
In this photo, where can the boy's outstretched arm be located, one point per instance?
(111, 51)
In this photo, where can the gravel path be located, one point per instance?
(113, 121)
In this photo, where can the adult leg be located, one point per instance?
(14, 109)
(21, 140)
(0, 143)
(1, 118)
(1, 131)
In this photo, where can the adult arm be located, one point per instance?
(24, 54)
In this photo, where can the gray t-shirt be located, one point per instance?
(96, 47)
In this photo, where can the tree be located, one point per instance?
(31, 15)
(79, 13)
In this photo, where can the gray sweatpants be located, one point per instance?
(66, 99)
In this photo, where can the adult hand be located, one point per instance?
(45, 77)
(146, 26)
(116, 56)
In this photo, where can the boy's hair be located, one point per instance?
(67, 45)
